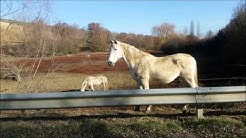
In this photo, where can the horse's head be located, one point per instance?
(116, 52)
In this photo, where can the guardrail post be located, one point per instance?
(199, 110)
(199, 113)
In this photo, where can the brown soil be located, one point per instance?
(68, 72)
(93, 63)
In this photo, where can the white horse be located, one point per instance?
(91, 81)
(144, 66)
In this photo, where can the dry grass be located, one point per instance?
(108, 122)
(55, 82)
(11, 33)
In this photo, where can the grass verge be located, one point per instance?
(127, 127)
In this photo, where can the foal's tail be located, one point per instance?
(84, 84)
(106, 84)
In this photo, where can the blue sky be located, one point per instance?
(140, 16)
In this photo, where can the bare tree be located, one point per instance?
(209, 34)
(71, 38)
(198, 30)
(192, 28)
(185, 31)
(165, 30)
(98, 37)
(10, 70)
(31, 17)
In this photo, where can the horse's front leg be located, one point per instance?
(145, 85)
(139, 85)
(137, 107)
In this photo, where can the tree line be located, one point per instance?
(228, 46)
(222, 55)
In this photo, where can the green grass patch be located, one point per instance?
(218, 127)
(217, 122)
(166, 126)
(129, 127)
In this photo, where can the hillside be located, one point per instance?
(11, 33)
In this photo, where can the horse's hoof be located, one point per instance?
(136, 108)
(186, 112)
(148, 111)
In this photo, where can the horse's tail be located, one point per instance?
(84, 84)
(196, 76)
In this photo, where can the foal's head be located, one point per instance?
(116, 52)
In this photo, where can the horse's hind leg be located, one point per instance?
(148, 108)
(137, 108)
(190, 81)
(193, 83)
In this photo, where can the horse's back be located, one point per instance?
(172, 61)
(184, 60)
(104, 78)
(169, 67)
(182, 56)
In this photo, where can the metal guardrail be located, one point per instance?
(123, 97)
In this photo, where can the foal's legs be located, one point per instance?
(83, 87)
(91, 87)
(104, 86)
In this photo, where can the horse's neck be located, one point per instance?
(132, 54)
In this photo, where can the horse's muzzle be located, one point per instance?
(110, 63)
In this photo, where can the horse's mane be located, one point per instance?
(131, 48)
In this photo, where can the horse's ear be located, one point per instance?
(113, 41)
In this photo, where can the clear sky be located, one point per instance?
(140, 16)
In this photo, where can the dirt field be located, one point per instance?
(68, 72)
